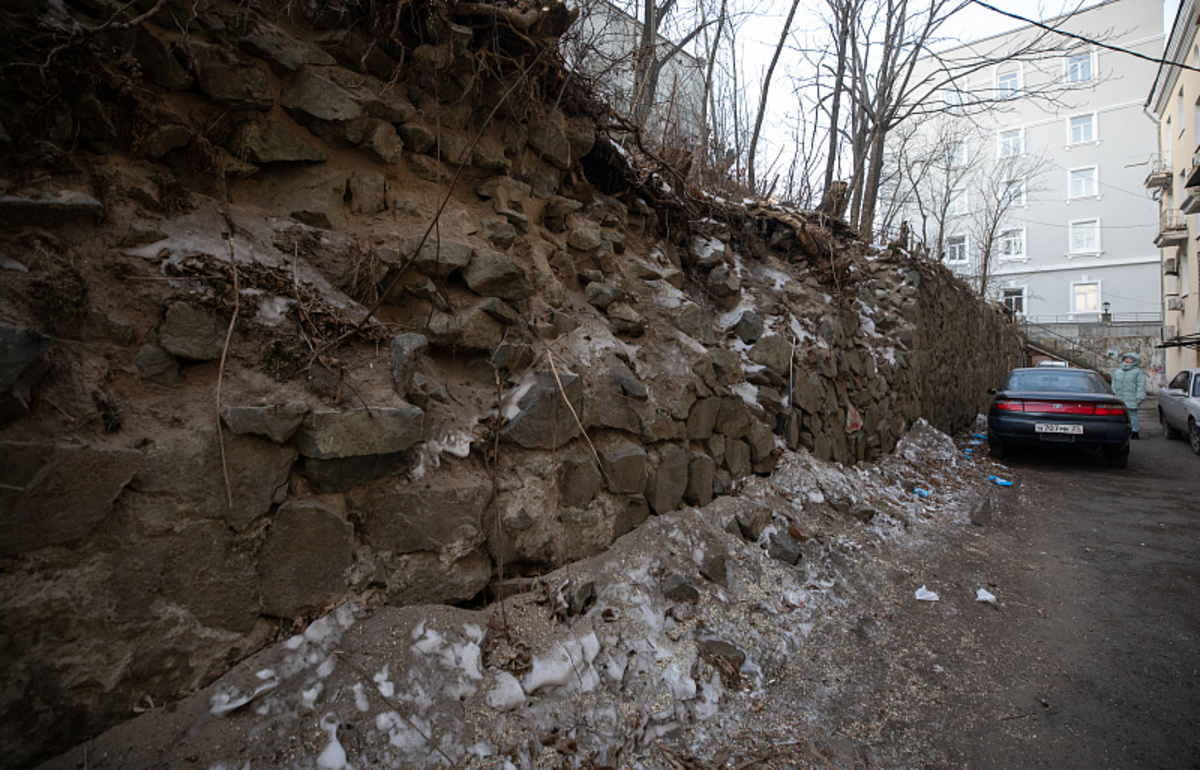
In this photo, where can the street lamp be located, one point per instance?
(1106, 316)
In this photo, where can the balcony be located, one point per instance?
(1159, 176)
(1193, 173)
(1191, 201)
(1172, 229)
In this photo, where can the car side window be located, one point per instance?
(1180, 382)
(1196, 386)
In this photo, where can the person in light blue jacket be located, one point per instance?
(1129, 383)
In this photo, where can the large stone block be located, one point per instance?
(425, 578)
(192, 332)
(669, 481)
(225, 77)
(56, 493)
(325, 108)
(443, 514)
(304, 563)
(345, 473)
(407, 350)
(579, 478)
(272, 143)
(283, 52)
(437, 258)
(624, 464)
(382, 143)
(701, 471)
(328, 434)
(549, 138)
(211, 578)
(188, 466)
(477, 328)
(277, 422)
(702, 418)
(495, 274)
(542, 419)
(773, 352)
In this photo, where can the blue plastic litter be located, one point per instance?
(981, 437)
(999, 481)
(920, 492)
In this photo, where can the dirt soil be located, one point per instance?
(1088, 659)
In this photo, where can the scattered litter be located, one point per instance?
(999, 481)
(981, 437)
(920, 492)
(969, 453)
(925, 595)
(975, 441)
(983, 595)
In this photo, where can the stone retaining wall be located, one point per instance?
(554, 370)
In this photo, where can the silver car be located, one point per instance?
(1179, 407)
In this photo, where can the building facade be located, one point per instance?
(1046, 143)
(1174, 178)
(604, 44)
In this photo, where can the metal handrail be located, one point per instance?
(1172, 219)
(1097, 356)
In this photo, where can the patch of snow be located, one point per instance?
(705, 247)
(506, 693)
(747, 392)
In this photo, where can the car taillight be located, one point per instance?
(1111, 410)
(1008, 406)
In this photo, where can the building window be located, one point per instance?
(952, 98)
(1012, 244)
(1010, 143)
(1014, 299)
(1079, 68)
(1014, 192)
(1085, 237)
(956, 248)
(956, 154)
(1008, 84)
(1085, 297)
(1082, 182)
(1082, 129)
(957, 205)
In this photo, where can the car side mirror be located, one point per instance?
(992, 391)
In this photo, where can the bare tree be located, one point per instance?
(899, 76)
(1007, 186)
(929, 170)
(765, 89)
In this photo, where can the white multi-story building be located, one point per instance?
(1043, 203)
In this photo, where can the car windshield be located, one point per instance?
(1056, 382)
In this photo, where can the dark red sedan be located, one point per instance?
(1069, 409)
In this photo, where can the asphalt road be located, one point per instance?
(1089, 659)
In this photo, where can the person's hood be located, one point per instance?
(1137, 360)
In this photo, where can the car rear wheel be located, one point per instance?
(1118, 459)
(1194, 435)
(1168, 431)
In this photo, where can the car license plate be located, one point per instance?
(1054, 427)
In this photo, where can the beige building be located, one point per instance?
(1174, 178)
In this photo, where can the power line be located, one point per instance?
(1157, 60)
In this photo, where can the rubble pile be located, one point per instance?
(321, 303)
